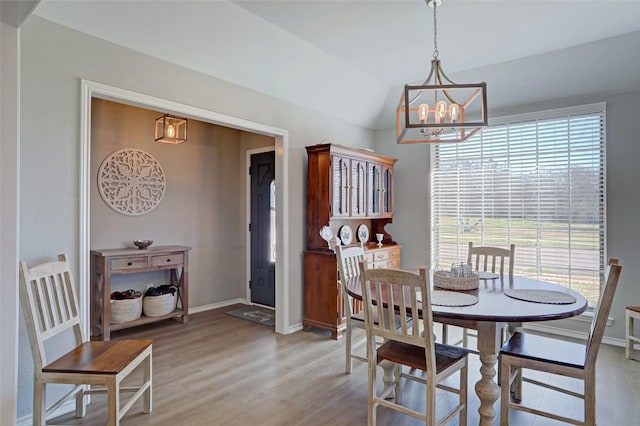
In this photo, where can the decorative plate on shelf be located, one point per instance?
(346, 235)
(326, 233)
(363, 233)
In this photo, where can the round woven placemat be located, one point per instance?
(452, 298)
(487, 275)
(541, 296)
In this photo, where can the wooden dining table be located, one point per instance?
(493, 310)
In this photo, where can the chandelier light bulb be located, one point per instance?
(171, 131)
(454, 111)
(441, 111)
(423, 112)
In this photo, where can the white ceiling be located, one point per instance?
(350, 58)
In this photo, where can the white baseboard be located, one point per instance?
(217, 305)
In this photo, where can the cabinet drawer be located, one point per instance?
(385, 254)
(129, 263)
(169, 259)
(389, 264)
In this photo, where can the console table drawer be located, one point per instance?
(129, 263)
(170, 259)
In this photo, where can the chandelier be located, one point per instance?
(439, 110)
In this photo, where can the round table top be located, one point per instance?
(493, 305)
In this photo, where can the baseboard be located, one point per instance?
(218, 305)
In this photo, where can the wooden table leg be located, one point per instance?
(487, 388)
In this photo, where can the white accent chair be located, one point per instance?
(50, 307)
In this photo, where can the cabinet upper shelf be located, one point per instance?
(346, 183)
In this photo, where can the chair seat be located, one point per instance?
(108, 358)
(414, 356)
(545, 349)
(633, 308)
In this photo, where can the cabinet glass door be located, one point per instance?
(341, 198)
(358, 188)
(387, 191)
(374, 185)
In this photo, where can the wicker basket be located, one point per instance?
(443, 279)
(156, 306)
(126, 310)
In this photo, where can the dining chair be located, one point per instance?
(391, 293)
(487, 259)
(50, 306)
(348, 268)
(559, 357)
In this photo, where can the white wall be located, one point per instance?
(53, 62)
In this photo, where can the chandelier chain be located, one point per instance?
(435, 31)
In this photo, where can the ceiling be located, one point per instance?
(349, 59)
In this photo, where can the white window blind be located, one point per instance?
(536, 181)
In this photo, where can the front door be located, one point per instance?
(263, 228)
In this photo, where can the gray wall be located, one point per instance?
(54, 59)
(202, 207)
(412, 216)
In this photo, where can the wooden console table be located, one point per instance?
(105, 263)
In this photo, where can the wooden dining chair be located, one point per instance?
(50, 306)
(348, 268)
(391, 293)
(487, 259)
(555, 356)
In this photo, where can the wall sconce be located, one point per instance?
(171, 129)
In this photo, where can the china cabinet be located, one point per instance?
(349, 191)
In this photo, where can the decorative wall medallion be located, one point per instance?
(131, 181)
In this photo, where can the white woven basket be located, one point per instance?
(156, 306)
(443, 279)
(126, 310)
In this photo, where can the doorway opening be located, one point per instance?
(91, 90)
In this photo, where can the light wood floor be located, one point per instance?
(221, 370)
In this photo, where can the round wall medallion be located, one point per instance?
(131, 181)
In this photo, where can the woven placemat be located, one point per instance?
(452, 298)
(487, 275)
(541, 296)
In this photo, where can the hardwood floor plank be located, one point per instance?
(222, 370)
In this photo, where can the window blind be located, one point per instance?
(536, 181)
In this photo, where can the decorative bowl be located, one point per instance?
(142, 244)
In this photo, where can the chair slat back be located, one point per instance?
(406, 291)
(491, 259)
(48, 298)
(349, 261)
(599, 322)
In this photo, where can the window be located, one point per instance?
(535, 180)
